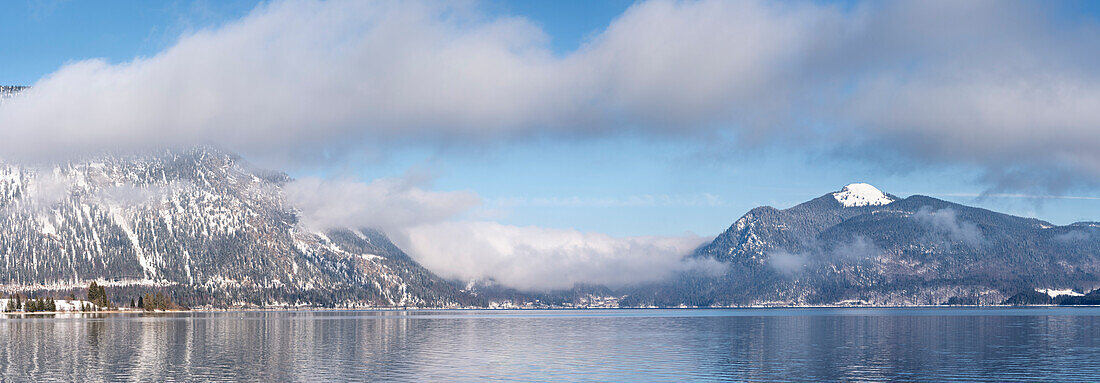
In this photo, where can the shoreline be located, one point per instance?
(395, 309)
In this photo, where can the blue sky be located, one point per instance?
(623, 184)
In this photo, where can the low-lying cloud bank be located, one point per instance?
(429, 226)
(535, 258)
(1010, 87)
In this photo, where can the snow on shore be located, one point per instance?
(62, 305)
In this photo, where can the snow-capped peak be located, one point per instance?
(860, 194)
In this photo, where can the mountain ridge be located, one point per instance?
(917, 250)
(200, 223)
(212, 230)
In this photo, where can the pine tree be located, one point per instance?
(36, 305)
(98, 295)
(156, 301)
(13, 303)
(31, 305)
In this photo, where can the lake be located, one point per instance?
(812, 344)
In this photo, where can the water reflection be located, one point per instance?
(645, 345)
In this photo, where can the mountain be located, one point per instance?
(860, 245)
(208, 229)
(200, 224)
(9, 92)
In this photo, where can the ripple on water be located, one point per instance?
(1052, 344)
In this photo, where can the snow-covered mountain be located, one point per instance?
(861, 194)
(209, 229)
(860, 244)
(201, 224)
(9, 92)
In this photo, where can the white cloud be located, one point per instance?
(1013, 195)
(130, 195)
(786, 262)
(297, 74)
(859, 248)
(390, 204)
(535, 258)
(946, 222)
(47, 188)
(1074, 236)
(1010, 88)
(302, 76)
(643, 200)
(423, 223)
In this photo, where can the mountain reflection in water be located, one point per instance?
(999, 344)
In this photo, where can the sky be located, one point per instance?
(607, 126)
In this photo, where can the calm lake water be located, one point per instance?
(1003, 344)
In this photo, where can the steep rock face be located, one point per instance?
(200, 223)
(917, 250)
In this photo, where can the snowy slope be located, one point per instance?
(200, 223)
(861, 194)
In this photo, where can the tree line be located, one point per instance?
(97, 299)
(16, 303)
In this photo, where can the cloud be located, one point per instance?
(787, 263)
(1074, 236)
(1007, 87)
(307, 76)
(390, 204)
(644, 200)
(535, 258)
(297, 74)
(859, 248)
(130, 195)
(47, 188)
(38, 191)
(426, 224)
(945, 222)
(1015, 195)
